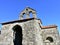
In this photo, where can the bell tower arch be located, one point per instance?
(27, 12)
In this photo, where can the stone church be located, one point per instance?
(28, 31)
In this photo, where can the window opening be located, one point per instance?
(50, 39)
(24, 15)
(31, 15)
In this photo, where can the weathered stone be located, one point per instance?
(33, 33)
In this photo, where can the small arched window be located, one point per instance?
(50, 39)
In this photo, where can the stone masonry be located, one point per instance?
(28, 31)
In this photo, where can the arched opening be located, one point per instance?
(50, 39)
(17, 35)
(31, 15)
(24, 15)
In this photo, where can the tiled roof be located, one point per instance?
(49, 26)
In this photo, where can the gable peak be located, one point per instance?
(26, 12)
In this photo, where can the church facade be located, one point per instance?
(28, 31)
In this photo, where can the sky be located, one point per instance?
(47, 10)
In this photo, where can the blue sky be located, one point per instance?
(47, 10)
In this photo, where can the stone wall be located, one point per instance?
(30, 30)
(50, 32)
